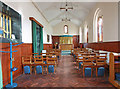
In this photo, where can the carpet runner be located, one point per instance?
(65, 52)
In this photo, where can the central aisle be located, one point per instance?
(66, 76)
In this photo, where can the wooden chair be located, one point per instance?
(44, 54)
(54, 54)
(88, 54)
(51, 50)
(76, 54)
(51, 60)
(97, 52)
(74, 51)
(59, 52)
(80, 52)
(89, 57)
(102, 54)
(84, 49)
(78, 60)
(38, 60)
(87, 63)
(93, 54)
(100, 62)
(27, 61)
(33, 54)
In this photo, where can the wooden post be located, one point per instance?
(111, 67)
(55, 46)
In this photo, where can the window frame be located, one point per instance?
(98, 34)
(87, 33)
(67, 29)
(5, 24)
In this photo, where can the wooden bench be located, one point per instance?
(113, 68)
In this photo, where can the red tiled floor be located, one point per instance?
(66, 76)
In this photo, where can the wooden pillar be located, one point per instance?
(111, 67)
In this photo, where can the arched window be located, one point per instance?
(86, 34)
(100, 29)
(80, 33)
(97, 14)
(66, 29)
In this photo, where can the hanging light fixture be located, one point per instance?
(66, 7)
(66, 17)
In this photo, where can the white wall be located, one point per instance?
(27, 9)
(59, 29)
(109, 10)
(119, 21)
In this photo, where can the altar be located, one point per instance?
(66, 46)
(66, 42)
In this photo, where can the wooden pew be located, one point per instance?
(112, 70)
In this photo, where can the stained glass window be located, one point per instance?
(100, 29)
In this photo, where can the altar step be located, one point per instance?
(65, 52)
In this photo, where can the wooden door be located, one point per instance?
(54, 40)
(75, 41)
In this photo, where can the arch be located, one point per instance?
(95, 21)
(66, 29)
(86, 33)
(80, 33)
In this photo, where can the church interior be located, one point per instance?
(59, 44)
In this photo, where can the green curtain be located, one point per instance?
(41, 40)
(34, 37)
(1, 80)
